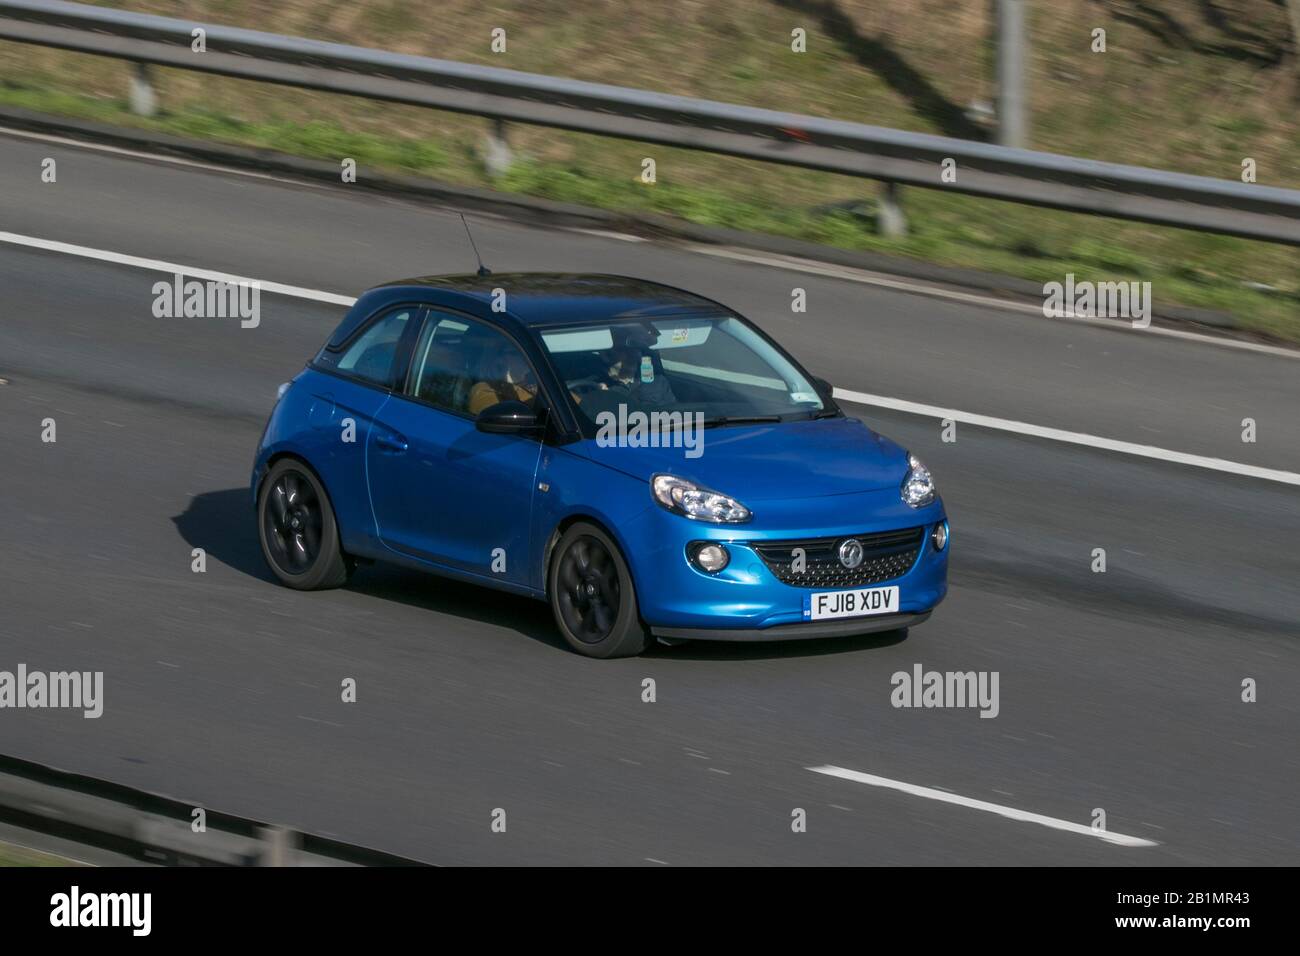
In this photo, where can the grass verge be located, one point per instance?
(11, 855)
(1258, 283)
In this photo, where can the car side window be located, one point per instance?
(464, 367)
(371, 356)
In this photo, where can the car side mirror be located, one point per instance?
(508, 418)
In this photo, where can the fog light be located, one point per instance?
(710, 557)
(940, 536)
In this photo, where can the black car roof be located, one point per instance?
(550, 298)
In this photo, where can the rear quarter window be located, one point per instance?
(372, 355)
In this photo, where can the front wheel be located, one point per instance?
(592, 595)
(295, 523)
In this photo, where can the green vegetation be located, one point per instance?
(11, 855)
(1176, 90)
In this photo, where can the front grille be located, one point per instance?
(886, 555)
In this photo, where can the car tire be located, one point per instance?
(297, 529)
(592, 596)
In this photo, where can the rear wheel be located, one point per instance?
(592, 595)
(296, 526)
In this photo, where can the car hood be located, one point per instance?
(802, 459)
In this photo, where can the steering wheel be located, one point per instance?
(592, 383)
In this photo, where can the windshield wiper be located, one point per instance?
(741, 420)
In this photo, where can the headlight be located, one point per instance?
(690, 500)
(918, 486)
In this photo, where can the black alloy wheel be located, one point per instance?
(292, 523)
(592, 595)
(297, 529)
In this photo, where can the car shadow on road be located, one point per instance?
(471, 602)
(223, 525)
(763, 650)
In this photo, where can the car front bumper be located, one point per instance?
(747, 600)
(844, 627)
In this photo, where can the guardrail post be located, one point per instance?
(144, 102)
(278, 845)
(890, 219)
(1013, 126)
(496, 155)
(1228, 207)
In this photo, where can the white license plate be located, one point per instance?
(859, 602)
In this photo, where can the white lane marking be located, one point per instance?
(1010, 813)
(158, 265)
(159, 158)
(606, 234)
(1071, 438)
(861, 398)
(790, 263)
(867, 277)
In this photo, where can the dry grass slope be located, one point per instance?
(1193, 85)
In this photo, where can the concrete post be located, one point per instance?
(278, 844)
(496, 156)
(890, 220)
(144, 102)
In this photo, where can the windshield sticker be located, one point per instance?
(678, 336)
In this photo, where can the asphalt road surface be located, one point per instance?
(1119, 691)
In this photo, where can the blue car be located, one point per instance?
(643, 459)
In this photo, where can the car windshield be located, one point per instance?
(716, 366)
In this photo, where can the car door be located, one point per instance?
(441, 490)
(360, 374)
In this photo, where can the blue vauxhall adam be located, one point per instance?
(643, 459)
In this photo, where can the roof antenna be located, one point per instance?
(482, 269)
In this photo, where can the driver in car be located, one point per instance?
(632, 368)
(509, 379)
